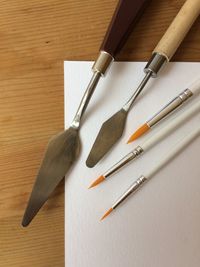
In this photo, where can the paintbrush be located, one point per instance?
(143, 178)
(192, 90)
(112, 129)
(63, 149)
(172, 125)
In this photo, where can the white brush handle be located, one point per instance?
(173, 152)
(173, 124)
(195, 87)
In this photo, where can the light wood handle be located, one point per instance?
(178, 28)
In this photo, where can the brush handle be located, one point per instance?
(174, 151)
(125, 17)
(172, 125)
(195, 87)
(178, 29)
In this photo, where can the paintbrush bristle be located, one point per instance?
(107, 213)
(97, 181)
(142, 130)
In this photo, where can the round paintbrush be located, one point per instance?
(191, 91)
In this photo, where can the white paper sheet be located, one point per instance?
(160, 224)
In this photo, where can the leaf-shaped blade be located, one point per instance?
(109, 134)
(61, 152)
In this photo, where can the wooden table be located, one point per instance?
(36, 37)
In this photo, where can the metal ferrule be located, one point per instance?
(135, 186)
(99, 69)
(102, 63)
(156, 62)
(172, 105)
(130, 156)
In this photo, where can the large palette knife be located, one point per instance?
(63, 149)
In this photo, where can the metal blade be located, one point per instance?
(61, 152)
(109, 134)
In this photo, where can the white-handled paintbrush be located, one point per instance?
(150, 142)
(167, 157)
(191, 91)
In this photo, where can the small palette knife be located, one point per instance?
(112, 129)
(63, 149)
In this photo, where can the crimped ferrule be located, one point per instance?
(171, 106)
(130, 156)
(156, 62)
(102, 63)
(136, 185)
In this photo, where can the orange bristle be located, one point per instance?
(106, 214)
(97, 181)
(142, 130)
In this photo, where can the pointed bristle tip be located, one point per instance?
(142, 130)
(106, 214)
(97, 181)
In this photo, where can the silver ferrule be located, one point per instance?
(152, 68)
(99, 69)
(130, 156)
(156, 62)
(171, 106)
(102, 63)
(185, 95)
(135, 186)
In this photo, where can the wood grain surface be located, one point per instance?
(36, 37)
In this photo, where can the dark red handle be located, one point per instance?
(125, 17)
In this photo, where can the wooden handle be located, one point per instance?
(178, 28)
(125, 17)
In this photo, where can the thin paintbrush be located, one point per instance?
(150, 142)
(192, 90)
(143, 178)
